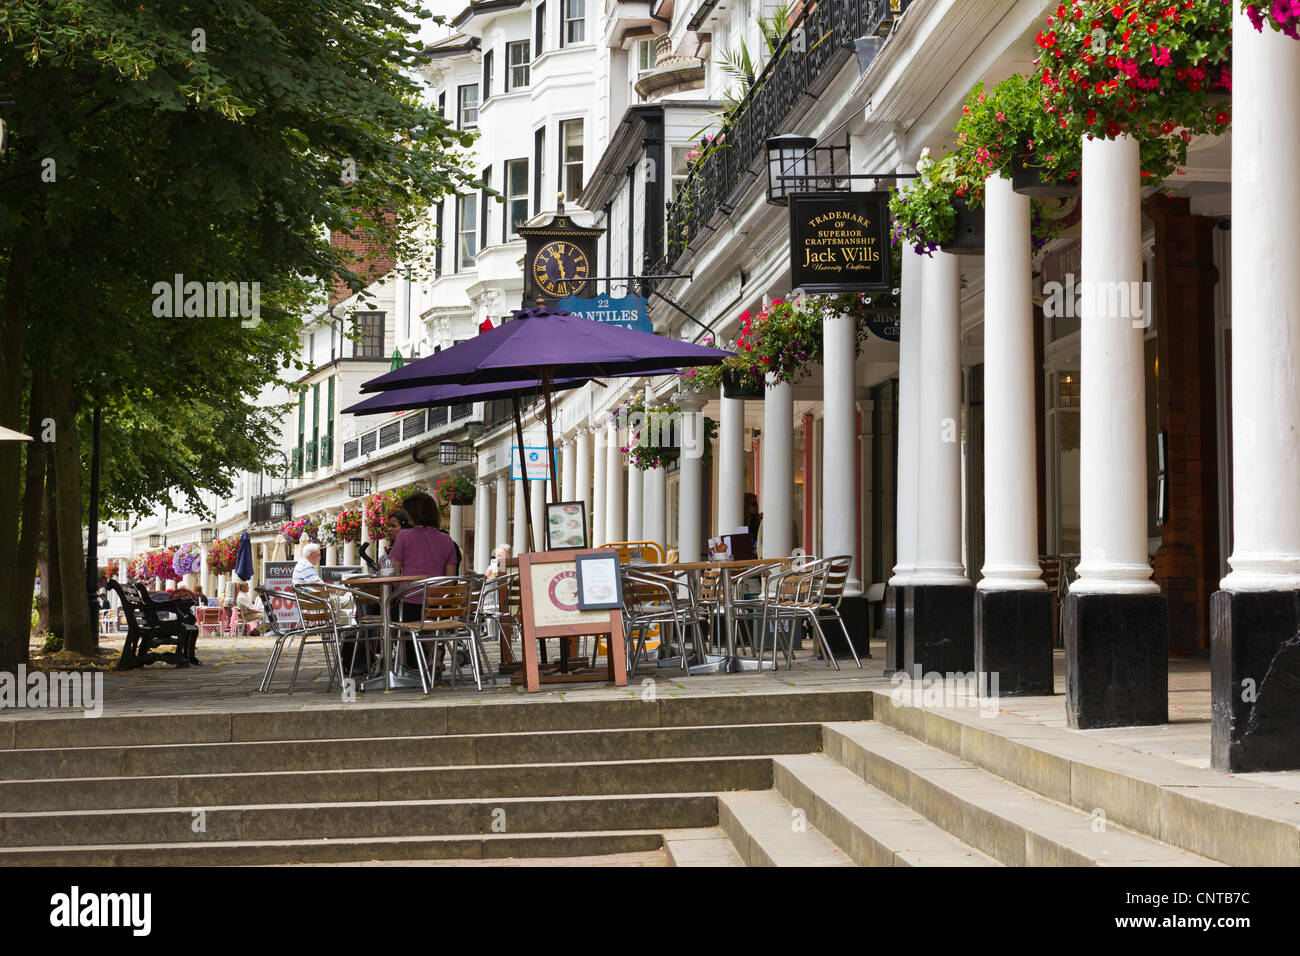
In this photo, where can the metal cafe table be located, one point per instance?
(390, 678)
(730, 662)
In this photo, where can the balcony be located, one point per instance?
(259, 510)
(415, 426)
(716, 184)
(295, 462)
(327, 451)
(310, 455)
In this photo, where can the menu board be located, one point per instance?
(600, 587)
(566, 525)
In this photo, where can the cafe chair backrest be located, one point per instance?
(314, 606)
(447, 601)
(652, 552)
(837, 576)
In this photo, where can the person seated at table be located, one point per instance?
(306, 571)
(421, 549)
(251, 611)
(200, 599)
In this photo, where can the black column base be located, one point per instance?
(893, 630)
(1255, 681)
(938, 628)
(853, 612)
(1116, 660)
(1013, 639)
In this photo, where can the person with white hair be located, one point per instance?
(305, 571)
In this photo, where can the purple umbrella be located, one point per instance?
(434, 396)
(548, 343)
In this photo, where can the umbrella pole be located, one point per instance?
(523, 472)
(550, 436)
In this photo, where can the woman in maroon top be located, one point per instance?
(421, 549)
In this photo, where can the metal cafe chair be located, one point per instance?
(649, 600)
(837, 576)
(749, 607)
(798, 595)
(320, 625)
(446, 620)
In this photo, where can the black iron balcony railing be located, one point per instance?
(715, 183)
(310, 453)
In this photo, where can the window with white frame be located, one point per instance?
(517, 60)
(466, 231)
(571, 159)
(681, 167)
(516, 195)
(574, 27)
(645, 56)
(467, 106)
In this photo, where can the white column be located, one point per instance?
(1265, 312)
(349, 553)
(520, 544)
(635, 502)
(501, 514)
(839, 445)
(599, 467)
(567, 471)
(456, 525)
(614, 486)
(690, 487)
(1112, 413)
(938, 434)
(1010, 450)
(909, 414)
(731, 464)
(777, 503)
(582, 469)
(655, 527)
(541, 493)
(482, 527)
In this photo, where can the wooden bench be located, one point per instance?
(147, 629)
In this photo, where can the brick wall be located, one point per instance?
(1187, 564)
(367, 258)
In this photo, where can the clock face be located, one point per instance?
(560, 268)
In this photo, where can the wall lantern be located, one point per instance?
(789, 155)
(358, 487)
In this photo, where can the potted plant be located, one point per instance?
(454, 490)
(653, 439)
(1147, 69)
(221, 557)
(186, 560)
(382, 504)
(741, 380)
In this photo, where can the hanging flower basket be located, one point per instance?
(737, 383)
(968, 229)
(454, 490)
(1031, 181)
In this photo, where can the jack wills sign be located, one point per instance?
(839, 242)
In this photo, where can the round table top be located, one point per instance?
(386, 579)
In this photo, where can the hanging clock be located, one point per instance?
(560, 268)
(559, 260)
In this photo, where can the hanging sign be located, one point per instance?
(884, 326)
(839, 242)
(535, 466)
(628, 311)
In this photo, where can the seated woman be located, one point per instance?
(421, 549)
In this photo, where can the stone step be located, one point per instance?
(429, 751)
(1010, 824)
(704, 847)
(873, 829)
(406, 818)
(325, 721)
(672, 775)
(1238, 819)
(487, 846)
(767, 831)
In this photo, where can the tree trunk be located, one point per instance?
(33, 513)
(50, 584)
(78, 635)
(15, 612)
